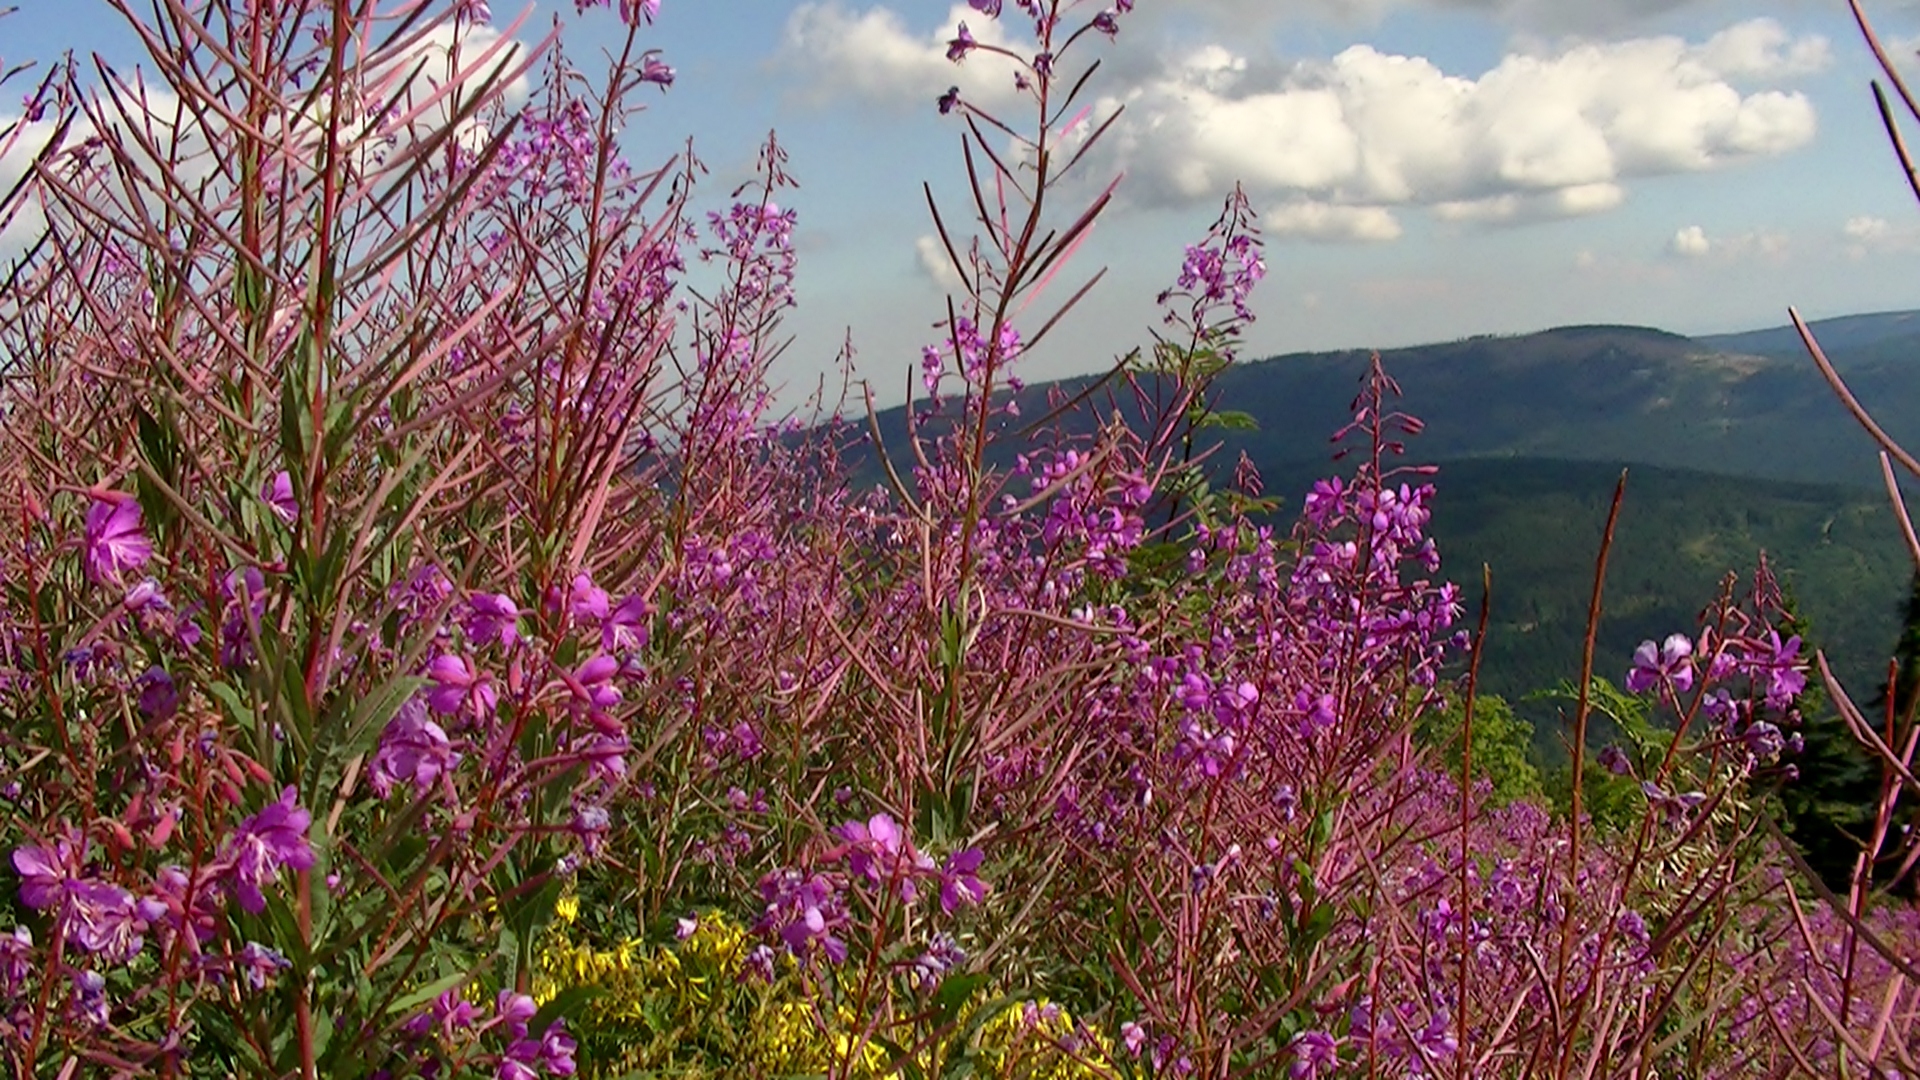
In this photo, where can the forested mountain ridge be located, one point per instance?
(1734, 445)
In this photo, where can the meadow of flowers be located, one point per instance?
(424, 651)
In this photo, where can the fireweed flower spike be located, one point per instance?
(632, 12)
(114, 542)
(1778, 664)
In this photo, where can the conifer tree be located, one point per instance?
(1830, 806)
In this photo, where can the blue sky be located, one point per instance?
(1425, 169)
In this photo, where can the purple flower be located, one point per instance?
(16, 961)
(1615, 761)
(258, 964)
(1106, 24)
(556, 1050)
(240, 622)
(114, 541)
(179, 903)
(278, 495)
(949, 99)
(875, 846)
(459, 686)
(422, 592)
(625, 627)
(492, 617)
(274, 838)
(450, 1012)
(989, 8)
(1780, 667)
(594, 683)
(960, 881)
(653, 71)
(1764, 740)
(514, 1010)
(587, 602)
(96, 915)
(1314, 1054)
(158, 698)
(413, 749)
(552, 1054)
(1672, 660)
(89, 1003)
(803, 910)
(144, 595)
(961, 45)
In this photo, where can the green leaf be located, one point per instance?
(565, 1005)
(1228, 420)
(411, 1001)
(341, 738)
(296, 424)
(238, 711)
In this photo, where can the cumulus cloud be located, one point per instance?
(1868, 235)
(1329, 223)
(1337, 147)
(872, 54)
(1690, 243)
(932, 257)
(412, 79)
(1764, 49)
(1539, 135)
(1552, 15)
(1511, 208)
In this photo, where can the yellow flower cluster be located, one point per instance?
(1037, 1040)
(684, 1011)
(789, 1042)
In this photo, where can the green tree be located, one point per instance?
(1829, 808)
(1502, 746)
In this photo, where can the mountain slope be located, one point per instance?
(1538, 524)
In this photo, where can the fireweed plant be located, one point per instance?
(424, 651)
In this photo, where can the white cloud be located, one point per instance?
(873, 55)
(931, 254)
(1764, 49)
(1765, 245)
(1867, 229)
(1339, 144)
(1329, 223)
(1690, 243)
(406, 78)
(1540, 135)
(1878, 236)
(1577, 200)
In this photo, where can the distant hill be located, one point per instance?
(1593, 393)
(1848, 333)
(1538, 523)
(1734, 444)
